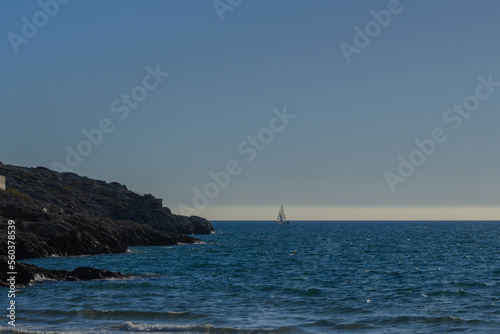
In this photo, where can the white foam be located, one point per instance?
(30, 330)
(40, 278)
(136, 327)
(184, 329)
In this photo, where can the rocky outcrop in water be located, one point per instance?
(28, 274)
(62, 214)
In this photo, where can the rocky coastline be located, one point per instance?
(64, 214)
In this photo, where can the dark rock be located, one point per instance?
(28, 274)
(200, 224)
(65, 214)
(88, 273)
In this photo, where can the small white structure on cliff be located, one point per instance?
(2, 182)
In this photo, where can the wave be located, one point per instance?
(428, 320)
(119, 315)
(200, 329)
(36, 331)
(377, 325)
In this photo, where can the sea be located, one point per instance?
(260, 277)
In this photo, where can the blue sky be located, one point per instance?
(353, 120)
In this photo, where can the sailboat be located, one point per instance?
(281, 217)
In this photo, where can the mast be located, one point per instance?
(281, 215)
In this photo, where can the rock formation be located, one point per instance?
(63, 214)
(28, 274)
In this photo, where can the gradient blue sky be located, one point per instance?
(353, 120)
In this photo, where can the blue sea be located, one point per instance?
(306, 277)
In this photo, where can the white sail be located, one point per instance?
(281, 217)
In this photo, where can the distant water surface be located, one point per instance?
(307, 277)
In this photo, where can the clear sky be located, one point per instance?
(309, 104)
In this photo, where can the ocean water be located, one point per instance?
(307, 277)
